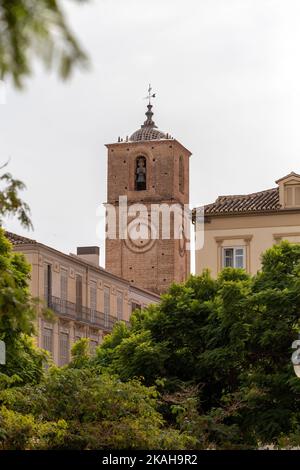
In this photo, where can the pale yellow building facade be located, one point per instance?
(238, 229)
(86, 299)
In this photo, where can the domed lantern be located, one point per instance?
(148, 130)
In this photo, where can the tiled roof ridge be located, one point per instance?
(260, 201)
(243, 196)
(16, 239)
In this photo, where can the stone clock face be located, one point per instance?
(139, 237)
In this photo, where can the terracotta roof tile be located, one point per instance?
(267, 200)
(18, 239)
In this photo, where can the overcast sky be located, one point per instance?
(227, 77)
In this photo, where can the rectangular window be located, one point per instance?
(292, 195)
(228, 258)
(135, 306)
(297, 195)
(47, 339)
(78, 294)
(48, 284)
(106, 306)
(289, 196)
(234, 257)
(63, 289)
(93, 300)
(120, 305)
(63, 348)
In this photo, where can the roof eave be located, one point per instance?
(290, 175)
(37, 245)
(139, 142)
(251, 213)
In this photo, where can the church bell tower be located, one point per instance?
(149, 168)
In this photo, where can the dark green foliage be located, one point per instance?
(17, 315)
(10, 202)
(209, 367)
(231, 338)
(76, 409)
(80, 354)
(17, 308)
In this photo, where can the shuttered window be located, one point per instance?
(93, 300)
(78, 294)
(47, 339)
(120, 305)
(48, 284)
(292, 195)
(64, 289)
(63, 348)
(297, 195)
(106, 305)
(289, 196)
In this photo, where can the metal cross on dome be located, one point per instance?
(150, 94)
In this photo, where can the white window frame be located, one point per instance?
(234, 249)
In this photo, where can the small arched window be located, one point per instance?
(181, 174)
(140, 174)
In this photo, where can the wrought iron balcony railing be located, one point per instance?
(83, 314)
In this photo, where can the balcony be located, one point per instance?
(70, 310)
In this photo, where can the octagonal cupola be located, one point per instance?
(148, 130)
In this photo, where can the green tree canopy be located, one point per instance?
(39, 29)
(11, 203)
(17, 308)
(78, 409)
(209, 367)
(231, 338)
(17, 316)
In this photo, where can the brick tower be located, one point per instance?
(149, 168)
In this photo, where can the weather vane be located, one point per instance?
(150, 94)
